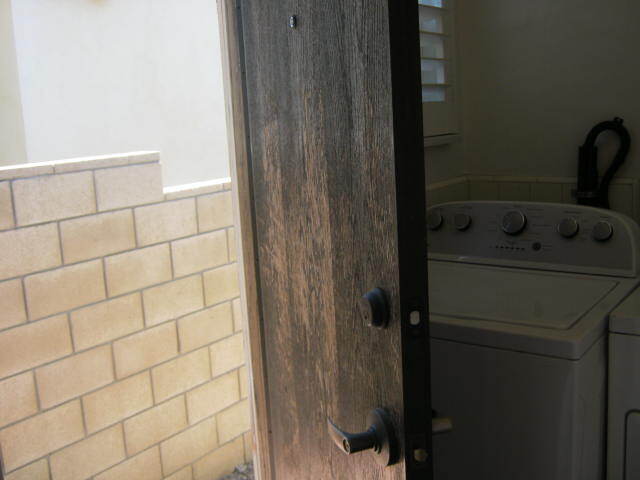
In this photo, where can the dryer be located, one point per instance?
(519, 298)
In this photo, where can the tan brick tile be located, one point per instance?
(184, 474)
(74, 376)
(243, 376)
(106, 321)
(173, 300)
(192, 189)
(103, 161)
(199, 253)
(53, 197)
(118, 401)
(11, 304)
(36, 471)
(248, 446)
(97, 235)
(25, 170)
(215, 211)
(188, 446)
(145, 466)
(227, 354)
(205, 327)
(234, 421)
(89, 456)
(128, 186)
(180, 374)
(212, 397)
(23, 442)
(17, 398)
(221, 284)
(65, 288)
(238, 318)
(155, 425)
(145, 349)
(231, 240)
(220, 462)
(166, 221)
(6, 207)
(18, 247)
(138, 269)
(33, 344)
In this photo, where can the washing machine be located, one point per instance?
(520, 296)
(623, 459)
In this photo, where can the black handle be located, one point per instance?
(379, 437)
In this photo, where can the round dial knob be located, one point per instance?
(602, 231)
(513, 222)
(568, 227)
(434, 220)
(462, 221)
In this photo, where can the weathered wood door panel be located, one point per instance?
(332, 99)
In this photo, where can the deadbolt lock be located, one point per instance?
(374, 308)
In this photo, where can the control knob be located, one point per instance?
(462, 221)
(602, 231)
(568, 227)
(434, 220)
(513, 222)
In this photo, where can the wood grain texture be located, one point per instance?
(320, 116)
(232, 60)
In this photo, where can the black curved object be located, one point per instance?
(589, 192)
(380, 437)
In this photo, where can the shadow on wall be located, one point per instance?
(121, 344)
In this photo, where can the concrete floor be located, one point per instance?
(242, 472)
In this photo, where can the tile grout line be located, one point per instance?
(152, 203)
(13, 205)
(115, 254)
(59, 232)
(95, 190)
(198, 229)
(26, 306)
(121, 421)
(104, 279)
(119, 295)
(102, 345)
(135, 228)
(37, 394)
(69, 312)
(119, 380)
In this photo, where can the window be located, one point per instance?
(438, 68)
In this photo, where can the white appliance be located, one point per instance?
(623, 459)
(519, 297)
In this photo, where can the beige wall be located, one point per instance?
(536, 76)
(121, 345)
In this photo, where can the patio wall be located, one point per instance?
(121, 345)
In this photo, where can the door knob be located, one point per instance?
(379, 437)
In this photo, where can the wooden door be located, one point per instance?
(326, 106)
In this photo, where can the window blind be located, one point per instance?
(436, 52)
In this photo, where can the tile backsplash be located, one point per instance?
(624, 194)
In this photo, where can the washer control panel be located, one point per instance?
(547, 236)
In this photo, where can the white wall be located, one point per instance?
(104, 76)
(12, 147)
(537, 75)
